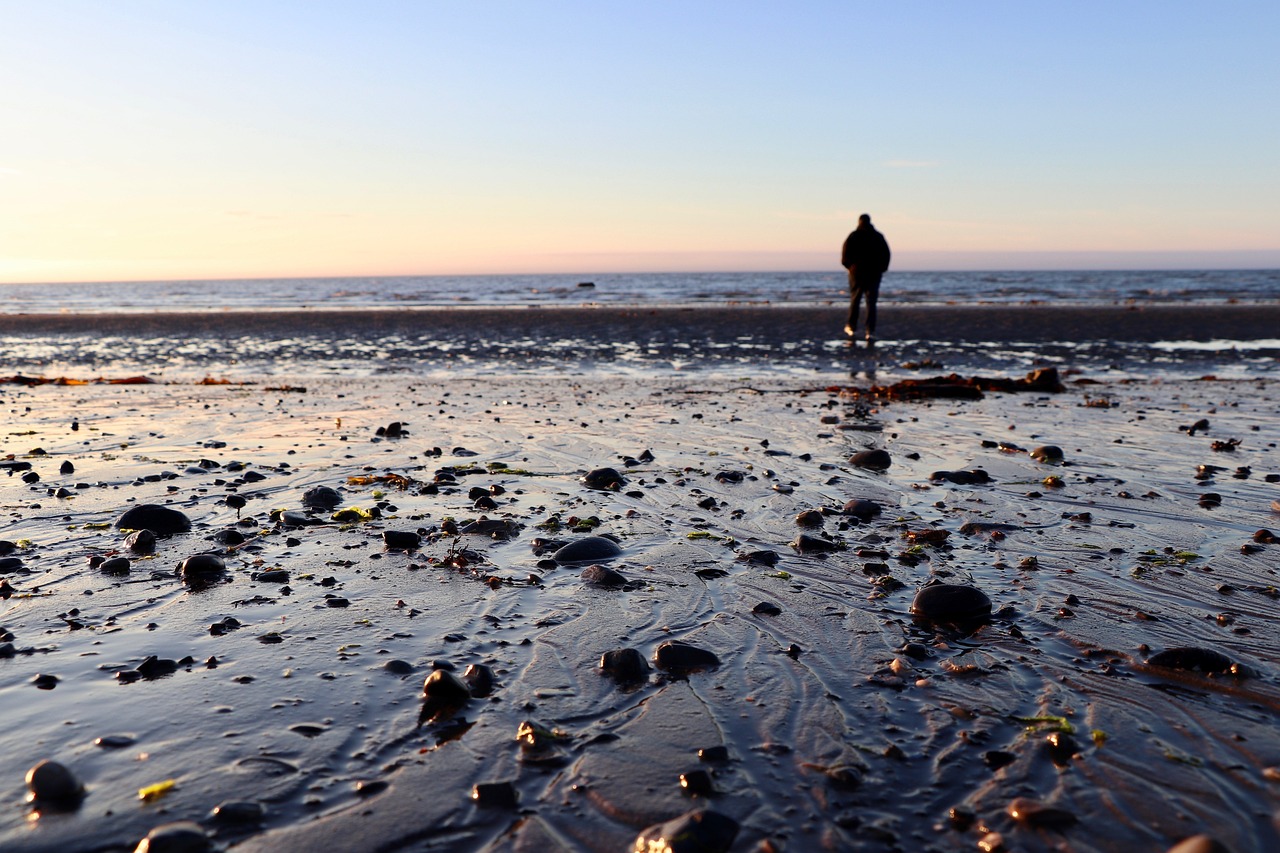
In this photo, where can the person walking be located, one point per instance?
(866, 256)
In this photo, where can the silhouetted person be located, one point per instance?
(866, 257)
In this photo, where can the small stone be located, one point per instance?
(160, 520)
(115, 566)
(951, 604)
(52, 783)
(141, 542)
(810, 518)
(321, 497)
(401, 540)
(445, 685)
(806, 544)
(200, 569)
(45, 681)
(181, 836)
(479, 680)
(1035, 813)
(862, 509)
(696, 783)
(238, 813)
(874, 460)
(1046, 453)
(766, 608)
(588, 549)
(67, 468)
(713, 753)
(495, 795)
(626, 666)
(398, 667)
(1062, 748)
(678, 656)
(603, 576)
(700, 831)
(604, 479)
(1191, 659)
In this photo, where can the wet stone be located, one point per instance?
(400, 540)
(862, 509)
(52, 783)
(588, 549)
(1046, 453)
(626, 666)
(697, 783)
(972, 477)
(806, 544)
(398, 667)
(201, 568)
(951, 604)
(713, 753)
(1062, 748)
(442, 684)
(701, 831)
(495, 795)
(181, 836)
(10, 564)
(763, 558)
(113, 741)
(115, 566)
(479, 680)
(321, 497)
(238, 813)
(1191, 659)
(603, 576)
(1036, 813)
(141, 542)
(160, 520)
(766, 608)
(604, 479)
(810, 518)
(873, 460)
(676, 656)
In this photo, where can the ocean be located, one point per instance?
(1080, 287)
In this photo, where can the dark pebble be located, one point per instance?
(767, 608)
(181, 836)
(442, 684)
(678, 656)
(141, 542)
(696, 783)
(972, 477)
(626, 666)
(714, 753)
(1062, 748)
(1191, 659)
(115, 566)
(202, 568)
(238, 813)
(1035, 813)
(997, 758)
(479, 680)
(603, 576)
(604, 479)
(398, 667)
(160, 520)
(401, 540)
(495, 795)
(51, 782)
(67, 468)
(701, 831)
(113, 741)
(336, 601)
(272, 576)
(10, 564)
(763, 558)
(228, 536)
(45, 681)
(951, 604)
(367, 788)
(321, 497)
(588, 549)
(862, 509)
(1046, 453)
(806, 544)
(810, 518)
(874, 460)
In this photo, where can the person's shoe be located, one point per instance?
(848, 330)
(871, 340)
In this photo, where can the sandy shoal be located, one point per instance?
(1091, 567)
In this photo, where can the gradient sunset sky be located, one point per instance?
(158, 139)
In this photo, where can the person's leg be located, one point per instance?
(873, 293)
(855, 304)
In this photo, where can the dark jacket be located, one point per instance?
(865, 249)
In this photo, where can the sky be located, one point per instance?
(173, 139)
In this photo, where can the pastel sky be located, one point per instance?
(156, 139)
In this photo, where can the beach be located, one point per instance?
(275, 696)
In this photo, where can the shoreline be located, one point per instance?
(960, 323)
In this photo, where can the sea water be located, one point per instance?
(1055, 287)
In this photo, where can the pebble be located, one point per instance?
(700, 831)
(764, 558)
(588, 549)
(806, 544)
(862, 509)
(972, 477)
(1036, 813)
(479, 680)
(115, 566)
(678, 656)
(603, 576)
(141, 542)
(321, 497)
(1191, 659)
(182, 836)
(10, 564)
(810, 518)
(874, 460)
(1046, 453)
(202, 568)
(495, 795)
(238, 813)
(400, 540)
(1200, 844)
(697, 783)
(51, 782)
(398, 667)
(951, 604)
(228, 536)
(442, 684)
(604, 479)
(160, 520)
(767, 608)
(45, 681)
(626, 666)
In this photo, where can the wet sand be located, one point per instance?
(846, 723)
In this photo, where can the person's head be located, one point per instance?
(864, 219)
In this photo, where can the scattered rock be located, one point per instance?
(442, 684)
(160, 520)
(972, 477)
(321, 497)
(862, 509)
(181, 836)
(1050, 453)
(495, 795)
(1036, 813)
(588, 549)
(115, 566)
(701, 831)
(674, 655)
(603, 576)
(767, 608)
(401, 540)
(873, 460)
(479, 680)
(806, 544)
(238, 813)
(141, 542)
(200, 569)
(604, 479)
(625, 666)
(51, 783)
(810, 518)
(951, 604)
(1191, 659)
(763, 558)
